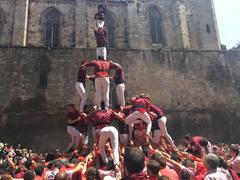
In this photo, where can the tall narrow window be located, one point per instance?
(155, 25)
(43, 67)
(110, 24)
(51, 27)
(2, 22)
(208, 29)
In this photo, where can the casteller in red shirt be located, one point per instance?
(169, 173)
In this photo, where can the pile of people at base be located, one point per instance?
(136, 163)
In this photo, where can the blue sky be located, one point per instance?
(228, 18)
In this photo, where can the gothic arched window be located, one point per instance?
(155, 20)
(51, 27)
(110, 24)
(2, 21)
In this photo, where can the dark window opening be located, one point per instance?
(44, 68)
(208, 28)
(110, 30)
(155, 25)
(2, 22)
(51, 27)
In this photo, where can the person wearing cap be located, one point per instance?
(101, 40)
(80, 85)
(100, 15)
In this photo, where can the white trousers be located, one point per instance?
(100, 23)
(81, 90)
(102, 86)
(102, 51)
(76, 136)
(133, 118)
(123, 138)
(120, 89)
(111, 133)
(163, 128)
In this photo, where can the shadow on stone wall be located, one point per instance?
(47, 131)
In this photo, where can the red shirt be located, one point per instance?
(19, 175)
(101, 38)
(140, 104)
(39, 178)
(200, 170)
(101, 68)
(156, 110)
(102, 118)
(73, 116)
(128, 110)
(136, 176)
(169, 173)
(195, 145)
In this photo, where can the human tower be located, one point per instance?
(139, 122)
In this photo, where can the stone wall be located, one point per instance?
(202, 24)
(6, 36)
(67, 22)
(198, 90)
(183, 23)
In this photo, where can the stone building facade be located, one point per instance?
(168, 48)
(135, 24)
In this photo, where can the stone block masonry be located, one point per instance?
(198, 90)
(188, 24)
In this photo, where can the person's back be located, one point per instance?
(211, 163)
(216, 175)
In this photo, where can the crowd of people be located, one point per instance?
(130, 140)
(135, 162)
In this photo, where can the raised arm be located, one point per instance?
(74, 121)
(119, 116)
(89, 64)
(115, 65)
